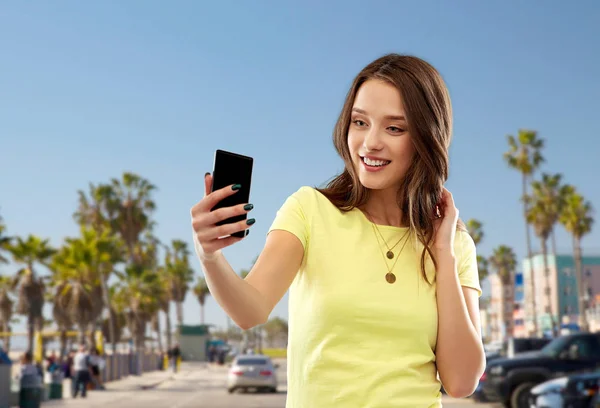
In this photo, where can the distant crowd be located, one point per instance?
(83, 366)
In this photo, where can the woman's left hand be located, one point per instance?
(445, 226)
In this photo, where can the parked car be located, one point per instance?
(575, 391)
(478, 395)
(510, 380)
(252, 372)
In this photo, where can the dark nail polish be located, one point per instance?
(251, 221)
(236, 187)
(248, 207)
(247, 232)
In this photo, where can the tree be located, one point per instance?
(177, 265)
(133, 195)
(277, 330)
(30, 301)
(475, 229)
(6, 308)
(504, 262)
(544, 206)
(577, 218)
(79, 270)
(524, 155)
(201, 291)
(4, 242)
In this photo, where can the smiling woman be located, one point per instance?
(382, 276)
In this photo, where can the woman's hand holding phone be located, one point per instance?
(211, 238)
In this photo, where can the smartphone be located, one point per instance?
(232, 168)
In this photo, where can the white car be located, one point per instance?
(549, 393)
(252, 371)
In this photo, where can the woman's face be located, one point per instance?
(380, 145)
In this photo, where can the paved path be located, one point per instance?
(196, 386)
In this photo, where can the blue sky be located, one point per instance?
(92, 89)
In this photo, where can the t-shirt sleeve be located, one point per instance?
(292, 216)
(468, 273)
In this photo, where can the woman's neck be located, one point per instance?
(382, 208)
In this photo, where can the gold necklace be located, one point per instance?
(389, 277)
(389, 253)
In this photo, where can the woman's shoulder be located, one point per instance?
(464, 246)
(308, 197)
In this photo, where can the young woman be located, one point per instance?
(382, 275)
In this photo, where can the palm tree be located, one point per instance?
(524, 155)
(475, 229)
(178, 268)
(138, 295)
(544, 207)
(99, 211)
(165, 301)
(576, 217)
(6, 308)
(30, 300)
(4, 241)
(135, 205)
(277, 330)
(201, 291)
(504, 262)
(62, 317)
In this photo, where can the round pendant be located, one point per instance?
(389, 254)
(390, 277)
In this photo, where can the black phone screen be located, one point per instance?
(232, 168)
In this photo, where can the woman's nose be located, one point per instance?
(372, 140)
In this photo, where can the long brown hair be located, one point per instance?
(428, 112)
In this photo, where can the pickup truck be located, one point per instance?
(510, 380)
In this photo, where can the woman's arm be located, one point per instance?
(459, 353)
(249, 302)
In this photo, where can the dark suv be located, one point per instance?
(509, 380)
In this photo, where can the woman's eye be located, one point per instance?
(396, 129)
(359, 122)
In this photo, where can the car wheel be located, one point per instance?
(520, 396)
(273, 390)
(231, 390)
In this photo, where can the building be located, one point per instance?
(519, 329)
(560, 282)
(193, 342)
(502, 304)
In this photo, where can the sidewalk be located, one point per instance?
(146, 381)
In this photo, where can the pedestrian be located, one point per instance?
(382, 274)
(81, 372)
(175, 354)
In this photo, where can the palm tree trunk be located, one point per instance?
(111, 320)
(530, 256)
(6, 329)
(158, 333)
(553, 237)
(583, 323)
(547, 289)
(201, 313)
(63, 344)
(81, 335)
(30, 331)
(168, 328)
(179, 313)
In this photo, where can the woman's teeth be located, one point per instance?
(375, 163)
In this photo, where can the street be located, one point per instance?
(195, 386)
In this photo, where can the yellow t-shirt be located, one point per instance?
(354, 339)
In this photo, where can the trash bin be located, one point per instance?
(30, 395)
(5, 384)
(54, 384)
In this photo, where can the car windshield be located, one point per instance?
(251, 361)
(556, 346)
